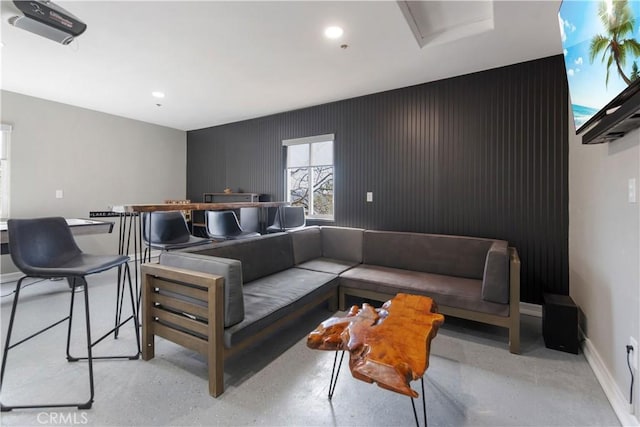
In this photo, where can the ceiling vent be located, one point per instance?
(48, 20)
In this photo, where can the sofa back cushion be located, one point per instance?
(342, 243)
(430, 253)
(306, 243)
(495, 283)
(260, 256)
(230, 269)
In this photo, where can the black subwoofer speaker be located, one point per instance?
(560, 323)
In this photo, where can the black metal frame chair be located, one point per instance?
(45, 248)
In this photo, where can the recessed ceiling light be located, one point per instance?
(157, 94)
(333, 32)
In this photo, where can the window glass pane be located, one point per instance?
(323, 191)
(322, 153)
(4, 171)
(3, 195)
(298, 184)
(298, 155)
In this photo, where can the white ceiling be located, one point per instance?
(220, 62)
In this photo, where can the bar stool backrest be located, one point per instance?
(41, 243)
(166, 227)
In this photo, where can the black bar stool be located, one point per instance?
(224, 225)
(45, 248)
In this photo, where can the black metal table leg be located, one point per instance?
(424, 407)
(334, 381)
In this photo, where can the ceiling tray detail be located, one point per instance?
(437, 22)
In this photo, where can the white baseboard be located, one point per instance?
(10, 277)
(611, 390)
(531, 309)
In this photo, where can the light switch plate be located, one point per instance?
(369, 196)
(632, 190)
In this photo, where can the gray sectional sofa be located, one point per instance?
(221, 298)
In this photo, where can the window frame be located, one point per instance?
(309, 141)
(5, 171)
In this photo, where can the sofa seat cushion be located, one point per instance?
(271, 298)
(458, 292)
(328, 265)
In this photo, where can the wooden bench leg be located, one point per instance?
(341, 300)
(333, 303)
(148, 339)
(215, 351)
(514, 336)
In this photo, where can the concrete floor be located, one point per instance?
(472, 379)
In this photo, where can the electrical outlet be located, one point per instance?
(634, 354)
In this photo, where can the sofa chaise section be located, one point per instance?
(470, 278)
(249, 288)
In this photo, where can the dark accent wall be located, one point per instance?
(483, 154)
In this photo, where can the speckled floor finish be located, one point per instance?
(472, 379)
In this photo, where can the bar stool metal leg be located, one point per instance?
(133, 318)
(8, 346)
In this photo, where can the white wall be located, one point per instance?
(97, 159)
(604, 254)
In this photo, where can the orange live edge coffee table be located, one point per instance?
(388, 345)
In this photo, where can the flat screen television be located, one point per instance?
(601, 56)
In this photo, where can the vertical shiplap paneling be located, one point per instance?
(483, 154)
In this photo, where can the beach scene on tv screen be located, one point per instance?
(601, 52)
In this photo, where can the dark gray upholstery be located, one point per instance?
(224, 225)
(168, 230)
(495, 282)
(272, 297)
(282, 272)
(259, 256)
(307, 244)
(45, 247)
(342, 243)
(430, 253)
(327, 265)
(288, 218)
(446, 290)
(230, 269)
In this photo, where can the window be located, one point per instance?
(4, 170)
(309, 174)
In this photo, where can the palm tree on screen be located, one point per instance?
(618, 23)
(635, 72)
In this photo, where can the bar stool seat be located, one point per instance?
(45, 248)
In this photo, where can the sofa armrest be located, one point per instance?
(495, 281)
(185, 307)
(229, 269)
